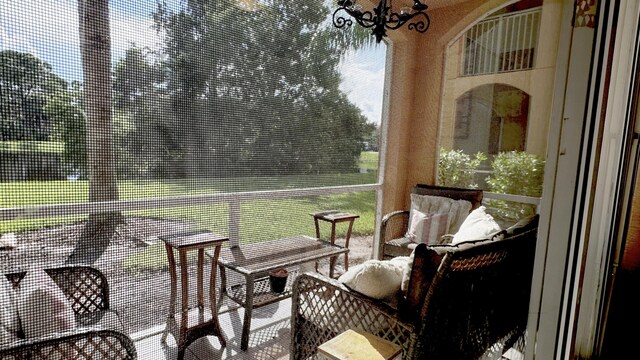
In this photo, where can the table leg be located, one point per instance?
(315, 220)
(184, 280)
(223, 285)
(174, 292)
(212, 298)
(248, 310)
(346, 245)
(200, 278)
(332, 260)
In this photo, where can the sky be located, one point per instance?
(48, 29)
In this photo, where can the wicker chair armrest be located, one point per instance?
(446, 239)
(323, 308)
(87, 343)
(394, 225)
(311, 281)
(86, 287)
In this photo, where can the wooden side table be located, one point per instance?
(357, 345)
(334, 217)
(192, 323)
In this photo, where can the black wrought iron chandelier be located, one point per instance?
(382, 17)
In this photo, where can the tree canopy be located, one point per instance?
(26, 84)
(240, 92)
(234, 91)
(37, 105)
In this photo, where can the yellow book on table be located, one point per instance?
(355, 345)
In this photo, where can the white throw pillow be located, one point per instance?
(406, 262)
(427, 228)
(478, 225)
(379, 279)
(9, 324)
(42, 306)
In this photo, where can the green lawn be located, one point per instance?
(259, 219)
(32, 146)
(264, 220)
(369, 160)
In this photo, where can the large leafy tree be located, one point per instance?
(143, 127)
(37, 105)
(64, 108)
(26, 85)
(256, 92)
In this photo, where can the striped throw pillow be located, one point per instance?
(427, 228)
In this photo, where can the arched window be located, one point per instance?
(491, 118)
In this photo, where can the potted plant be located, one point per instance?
(278, 280)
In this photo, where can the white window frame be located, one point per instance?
(581, 183)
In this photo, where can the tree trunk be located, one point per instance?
(95, 44)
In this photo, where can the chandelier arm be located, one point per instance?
(382, 18)
(340, 21)
(420, 25)
(364, 19)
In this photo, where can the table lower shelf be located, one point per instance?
(262, 294)
(195, 317)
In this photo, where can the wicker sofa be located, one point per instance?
(394, 225)
(463, 301)
(99, 332)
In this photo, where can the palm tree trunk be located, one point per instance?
(95, 44)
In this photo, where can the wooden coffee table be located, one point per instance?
(255, 261)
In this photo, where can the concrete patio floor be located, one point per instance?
(268, 340)
(269, 337)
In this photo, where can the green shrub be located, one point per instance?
(518, 173)
(456, 169)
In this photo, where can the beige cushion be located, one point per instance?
(427, 228)
(399, 247)
(478, 225)
(42, 306)
(456, 210)
(379, 279)
(9, 324)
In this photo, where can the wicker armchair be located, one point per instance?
(99, 333)
(464, 301)
(394, 225)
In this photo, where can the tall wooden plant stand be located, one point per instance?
(334, 217)
(189, 324)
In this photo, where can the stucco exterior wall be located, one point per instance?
(414, 98)
(535, 82)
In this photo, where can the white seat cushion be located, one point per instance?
(379, 279)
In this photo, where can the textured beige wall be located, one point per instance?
(535, 82)
(415, 98)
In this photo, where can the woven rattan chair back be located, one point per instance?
(473, 196)
(395, 224)
(87, 290)
(478, 298)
